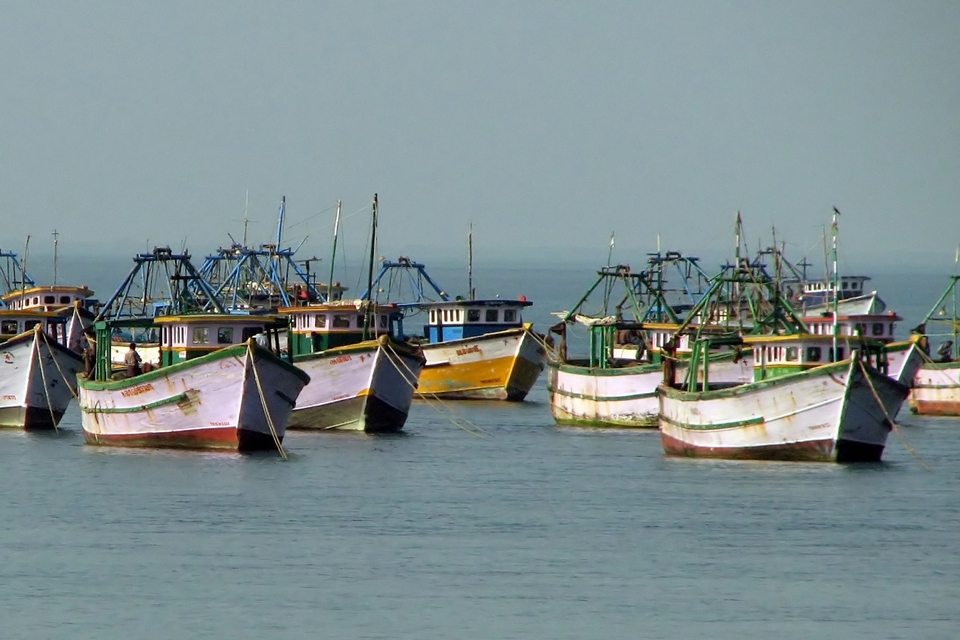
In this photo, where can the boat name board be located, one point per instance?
(474, 349)
(137, 390)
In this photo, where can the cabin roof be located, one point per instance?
(348, 307)
(805, 337)
(26, 314)
(859, 317)
(222, 318)
(496, 302)
(20, 293)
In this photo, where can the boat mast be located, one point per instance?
(55, 240)
(373, 246)
(470, 264)
(23, 265)
(283, 206)
(246, 220)
(333, 257)
(836, 283)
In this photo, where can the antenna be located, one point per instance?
(836, 284)
(470, 264)
(56, 237)
(246, 220)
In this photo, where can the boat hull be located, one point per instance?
(496, 366)
(210, 402)
(367, 387)
(829, 413)
(936, 390)
(37, 381)
(622, 397)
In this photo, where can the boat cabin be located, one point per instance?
(874, 326)
(459, 319)
(781, 355)
(51, 298)
(13, 323)
(189, 336)
(820, 291)
(320, 327)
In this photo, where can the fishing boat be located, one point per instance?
(936, 387)
(475, 349)
(216, 386)
(38, 374)
(363, 378)
(801, 406)
(615, 383)
(815, 396)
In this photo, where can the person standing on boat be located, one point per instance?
(132, 360)
(89, 353)
(919, 335)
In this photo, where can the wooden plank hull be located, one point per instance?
(496, 366)
(367, 387)
(829, 413)
(623, 397)
(936, 390)
(210, 402)
(37, 379)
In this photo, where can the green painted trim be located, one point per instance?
(732, 392)
(709, 427)
(584, 370)
(580, 396)
(646, 425)
(233, 351)
(940, 366)
(143, 407)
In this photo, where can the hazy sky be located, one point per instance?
(546, 125)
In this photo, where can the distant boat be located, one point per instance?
(936, 388)
(38, 375)
(801, 406)
(474, 349)
(356, 384)
(819, 395)
(215, 388)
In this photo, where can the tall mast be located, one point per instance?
(246, 209)
(836, 283)
(56, 237)
(373, 248)
(23, 265)
(283, 206)
(333, 257)
(470, 263)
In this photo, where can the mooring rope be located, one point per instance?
(893, 425)
(43, 377)
(263, 400)
(423, 396)
(73, 391)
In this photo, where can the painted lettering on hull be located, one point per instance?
(137, 390)
(466, 350)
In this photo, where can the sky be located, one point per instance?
(548, 126)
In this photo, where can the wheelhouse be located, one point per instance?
(459, 319)
(51, 298)
(320, 327)
(874, 326)
(780, 355)
(186, 337)
(13, 323)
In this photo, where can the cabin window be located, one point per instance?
(8, 326)
(249, 332)
(433, 316)
(861, 329)
(877, 329)
(164, 333)
(225, 335)
(30, 324)
(320, 321)
(891, 329)
(201, 335)
(459, 315)
(509, 315)
(383, 322)
(49, 299)
(36, 300)
(64, 299)
(491, 315)
(341, 321)
(792, 354)
(814, 354)
(473, 315)
(446, 315)
(839, 355)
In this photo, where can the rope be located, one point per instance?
(263, 399)
(423, 396)
(73, 391)
(43, 376)
(893, 425)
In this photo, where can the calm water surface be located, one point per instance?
(521, 530)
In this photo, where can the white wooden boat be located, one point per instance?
(216, 388)
(936, 387)
(800, 407)
(38, 375)
(355, 384)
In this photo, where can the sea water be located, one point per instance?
(482, 520)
